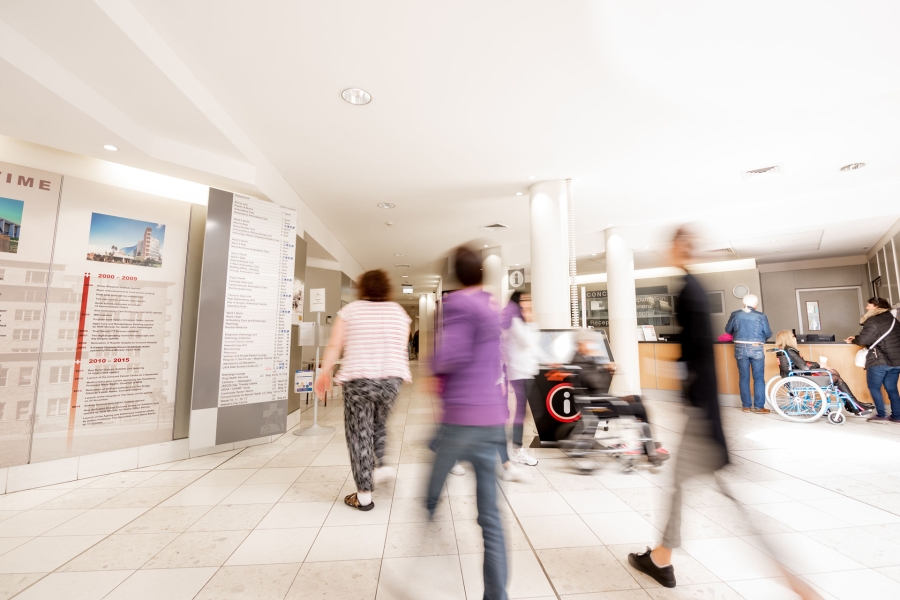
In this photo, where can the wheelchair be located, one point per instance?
(804, 395)
(608, 429)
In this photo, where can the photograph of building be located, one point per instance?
(10, 224)
(110, 234)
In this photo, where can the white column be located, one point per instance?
(622, 315)
(492, 271)
(550, 254)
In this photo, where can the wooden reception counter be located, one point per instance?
(658, 372)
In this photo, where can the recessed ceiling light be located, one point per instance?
(518, 193)
(386, 205)
(399, 254)
(853, 166)
(516, 265)
(594, 254)
(356, 96)
(531, 177)
(609, 224)
(404, 276)
(389, 223)
(110, 147)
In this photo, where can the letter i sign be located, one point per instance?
(516, 278)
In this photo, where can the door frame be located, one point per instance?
(800, 311)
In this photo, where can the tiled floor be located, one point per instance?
(268, 522)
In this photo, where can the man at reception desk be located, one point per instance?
(750, 329)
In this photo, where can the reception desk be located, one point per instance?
(659, 372)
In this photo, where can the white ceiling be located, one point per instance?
(653, 108)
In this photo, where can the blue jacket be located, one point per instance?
(751, 326)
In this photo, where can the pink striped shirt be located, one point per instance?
(376, 338)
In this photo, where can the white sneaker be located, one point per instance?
(521, 456)
(511, 473)
(458, 469)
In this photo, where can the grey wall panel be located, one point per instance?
(331, 281)
(779, 293)
(211, 320)
(828, 277)
(296, 401)
(190, 310)
(250, 421)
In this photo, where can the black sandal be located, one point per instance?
(352, 501)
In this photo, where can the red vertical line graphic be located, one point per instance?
(79, 347)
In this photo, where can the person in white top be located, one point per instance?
(372, 332)
(522, 356)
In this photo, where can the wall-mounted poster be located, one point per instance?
(125, 241)
(110, 347)
(28, 198)
(10, 224)
(297, 302)
(812, 316)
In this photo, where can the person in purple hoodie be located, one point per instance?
(467, 360)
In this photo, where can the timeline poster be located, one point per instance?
(259, 290)
(110, 348)
(29, 200)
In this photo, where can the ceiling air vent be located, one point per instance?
(727, 250)
(763, 172)
(406, 266)
(496, 226)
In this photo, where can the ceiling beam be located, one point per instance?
(268, 179)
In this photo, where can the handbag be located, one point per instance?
(864, 352)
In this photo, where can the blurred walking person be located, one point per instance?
(467, 359)
(372, 332)
(703, 449)
(522, 356)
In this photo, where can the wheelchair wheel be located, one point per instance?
(798, 399)
(771, 382)
(836, 418)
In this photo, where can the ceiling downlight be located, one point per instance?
(386, 205)
(853, 166)
(495, 226)
(761, 172)
(356, 96)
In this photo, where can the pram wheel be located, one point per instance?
(836, 418)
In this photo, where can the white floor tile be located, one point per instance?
(856, 585)
(622, 528)
(558, 532)
(802, 554)
(45, 554)
(732, 558)
(200, 495)
(296, 514)
(271, 546)
(432, 577)
(98, 521)
(357, 542)
(170, 584)
(75, 586)
(540, 504)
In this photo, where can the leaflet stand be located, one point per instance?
(316, 305)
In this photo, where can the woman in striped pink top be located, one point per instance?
(373, 334)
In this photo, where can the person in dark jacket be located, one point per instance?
(881, 335)
(703, 449)
(750, 330)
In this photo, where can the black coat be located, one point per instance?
(887, 351)
(700, 389)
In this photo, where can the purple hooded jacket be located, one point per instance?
(467, 359)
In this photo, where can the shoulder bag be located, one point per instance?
(864, 352)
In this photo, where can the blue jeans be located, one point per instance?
(479, 446)
(886, 376)
(751, 357)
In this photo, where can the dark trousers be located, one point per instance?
(480, 446)
(367, 406)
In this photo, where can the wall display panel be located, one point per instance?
(241, 376)
(28, 206)
(110, 348)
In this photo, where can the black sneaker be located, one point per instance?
(665, 576)
(893, 420)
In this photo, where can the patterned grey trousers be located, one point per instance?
(367, 405)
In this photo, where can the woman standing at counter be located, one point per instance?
(881, 335)
(750, 329)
